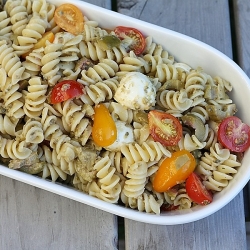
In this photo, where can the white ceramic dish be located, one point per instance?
(194, 53)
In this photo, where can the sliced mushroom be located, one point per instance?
(219, 112)
(84, 63)
(196, 123)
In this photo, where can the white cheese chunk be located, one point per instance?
(125, 135)
(136, 91)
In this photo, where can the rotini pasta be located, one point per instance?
(55, 140)
(108, 181)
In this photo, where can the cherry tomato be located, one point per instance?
(65, 90)
(164, 128)
(169, 207)
(104, 132)
(234, 134)
(174, 170)
(70, 18)
(134, 38)
(197, 191)
(48, 36)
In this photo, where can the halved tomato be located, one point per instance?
(68, 17)
(164, 128)
(132, 37)
(65, 90)
(197, 191)
(234, 134)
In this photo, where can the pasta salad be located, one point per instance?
(111, 112)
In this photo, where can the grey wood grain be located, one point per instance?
(223, 230)
(208, 21)
(241, 10)
(34, 219)
(102, 3)
(242, 23)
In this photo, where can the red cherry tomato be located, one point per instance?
(174, 170)
(169, 207)
(133, 37)
(65, 90)
(234, 134)
(104, 132)
(197, 191)
(164, 128)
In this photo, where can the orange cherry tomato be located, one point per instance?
(104, 132)
(68, 17)
(47, 36)
(164, 128)
(174, 170)
(65, 90)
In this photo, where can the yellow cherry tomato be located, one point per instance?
(174, 170)
(70, 18)
(104, 132)
(47, 36)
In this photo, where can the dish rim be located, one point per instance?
(170, 218)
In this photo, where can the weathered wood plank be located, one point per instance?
(207, 21)
(242, 22)
(248, 235)
(241, 12)
(225, 229)
(31, 218)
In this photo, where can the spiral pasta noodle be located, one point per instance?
(137, 174)
(100, 92)
(32, 32)
(93, 51)
(35, 97)
(33, 62)
(18, 16)
(174, 100)
(11, 63)
(105, 69)
(148, 151)
(75, 120)
(14, 149)
(145, 202)
(56, 141)
(5, 24)
(52, 167)
(90, 32)
(50, 61)
(156, 49)
(108, 181)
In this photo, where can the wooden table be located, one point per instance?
(34, 219)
